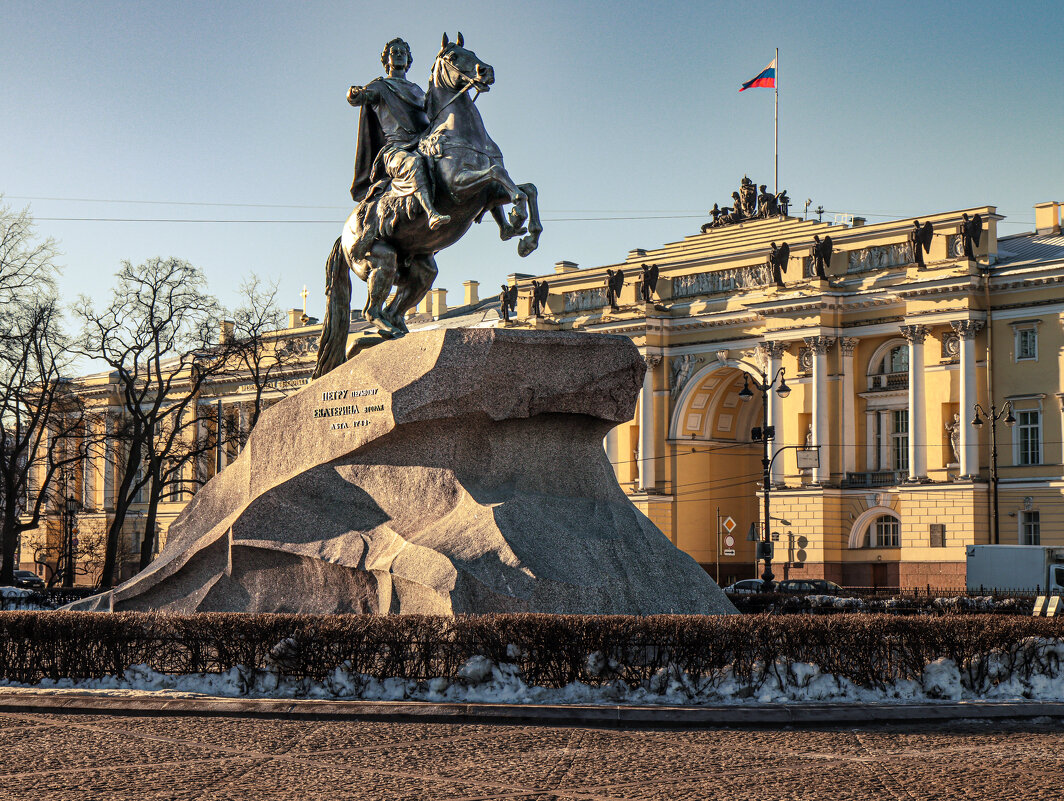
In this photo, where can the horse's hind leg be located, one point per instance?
(421, 273)
(535, 226)
(383, 264)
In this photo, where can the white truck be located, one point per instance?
(1016, 567)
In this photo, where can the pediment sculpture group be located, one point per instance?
(749, 203)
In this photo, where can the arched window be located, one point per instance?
(891, 370)
(884, 532)
(896, 361)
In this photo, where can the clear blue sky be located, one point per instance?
(614, 110)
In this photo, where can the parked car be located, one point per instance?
(746, 587)
(28, 580)
(810, 587)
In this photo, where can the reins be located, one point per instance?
(461, 92)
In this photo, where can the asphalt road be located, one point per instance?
(78, 757)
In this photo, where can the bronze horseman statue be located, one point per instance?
(425, 170)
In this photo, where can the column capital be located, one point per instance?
(652, 360)
(772, 348)
(819, 344)
(914, 333)
(967, 329)
(848, 345)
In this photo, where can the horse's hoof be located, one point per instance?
(526, 246)
(510, 233)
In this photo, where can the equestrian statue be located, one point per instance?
(425, 170)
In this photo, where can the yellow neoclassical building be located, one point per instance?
(885, 360)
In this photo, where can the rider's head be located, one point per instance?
(396, 42)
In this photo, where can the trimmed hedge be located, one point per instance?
(550, 650)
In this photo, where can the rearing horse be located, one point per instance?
(387, 241)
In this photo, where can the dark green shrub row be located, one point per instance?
(871, 650)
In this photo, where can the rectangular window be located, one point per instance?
(1030, 528)
(1029, 437)
(1026, 343)
(900, 440)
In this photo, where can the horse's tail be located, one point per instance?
(332, 346)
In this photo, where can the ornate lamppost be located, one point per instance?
(766, 433)
(993, 416)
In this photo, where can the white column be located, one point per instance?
(848, 404)
(821, 418)
(773, 351)
(110, 456)
(916, 334)
(969, 444)
(245, 416)
(647, 441)
(609, 442)
(223, 456)
(884, 440)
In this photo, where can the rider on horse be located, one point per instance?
(392, 121)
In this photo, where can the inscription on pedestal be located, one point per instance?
(347, 409)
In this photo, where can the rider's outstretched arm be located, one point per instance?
(360, 95)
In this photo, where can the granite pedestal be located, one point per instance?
(451, 471)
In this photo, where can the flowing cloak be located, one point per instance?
(398, 119)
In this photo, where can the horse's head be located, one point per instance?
(456, 68)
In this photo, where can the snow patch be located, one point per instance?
(1032, 670)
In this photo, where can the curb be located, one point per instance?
(803, 714)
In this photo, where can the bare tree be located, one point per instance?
(263, 354)
(158, 337)
(43, 427)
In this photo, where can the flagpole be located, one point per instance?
(777, 173)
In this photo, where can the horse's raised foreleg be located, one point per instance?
(535, 227)
(383, 265)
(506, 230)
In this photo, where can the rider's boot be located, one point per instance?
(436, 219)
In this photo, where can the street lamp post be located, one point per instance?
(766, 433)
(993, 416)
(71, 508)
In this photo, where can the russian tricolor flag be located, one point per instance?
(767, 78)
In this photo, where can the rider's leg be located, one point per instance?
(436, 220)
(408, 174)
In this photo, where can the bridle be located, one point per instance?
(470, 83)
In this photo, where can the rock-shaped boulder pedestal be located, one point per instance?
(447, 472)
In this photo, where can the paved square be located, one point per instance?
(111, 758)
